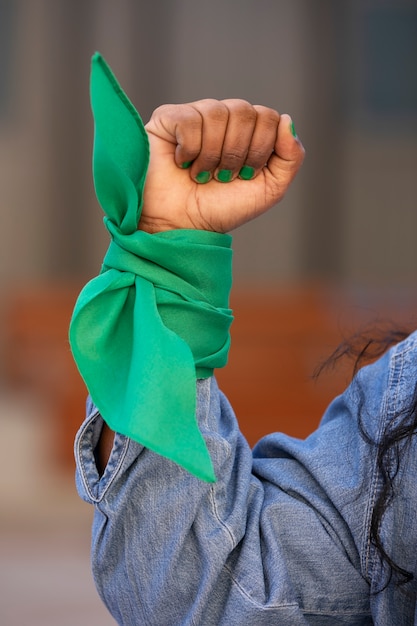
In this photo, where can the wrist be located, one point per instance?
(154, 226)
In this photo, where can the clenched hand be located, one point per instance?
(215, 165)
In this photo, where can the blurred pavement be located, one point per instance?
(45, 577)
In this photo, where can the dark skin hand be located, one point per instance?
(211, 137)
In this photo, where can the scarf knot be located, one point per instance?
(157, 316)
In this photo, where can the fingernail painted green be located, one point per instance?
(225, 176)
(247, 172)
(186, 165)
(203, 177)
(293, 131)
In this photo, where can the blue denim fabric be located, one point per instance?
(281, 538)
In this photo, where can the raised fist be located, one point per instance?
(217, 164)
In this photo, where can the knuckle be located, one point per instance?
(210, 158)
(237, 104)
(161, 109)
(232, 156)
(258, 156)
(187, 114)
(181, 116)
(215, 110)
(241, 110)
(267, 116)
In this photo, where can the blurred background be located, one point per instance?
(339, 251)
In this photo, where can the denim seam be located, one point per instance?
(213, 488)
(218, 518)
(79, 451)
(342, 612)
(84, 470)
(252, 600)
(369, 562)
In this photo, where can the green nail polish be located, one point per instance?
(247, 172)
(293, 131)
(186, 165)
(224, 176)
(203, 177)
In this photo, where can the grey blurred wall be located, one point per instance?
(344, 70)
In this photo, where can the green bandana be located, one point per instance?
(157, 316)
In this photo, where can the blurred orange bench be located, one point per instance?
(37, 358)
(278, 339)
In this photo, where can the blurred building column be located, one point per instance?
(153, 37)
(321, 221)
(68, 35)
(134, 37)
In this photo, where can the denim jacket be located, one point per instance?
(282, 537)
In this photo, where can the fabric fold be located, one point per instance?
(157, 316)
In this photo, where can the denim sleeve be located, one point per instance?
(269, 542)
(335, 473)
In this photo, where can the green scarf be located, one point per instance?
(157, 317)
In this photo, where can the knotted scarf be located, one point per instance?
(156, 317)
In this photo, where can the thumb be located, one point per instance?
(287, 157)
